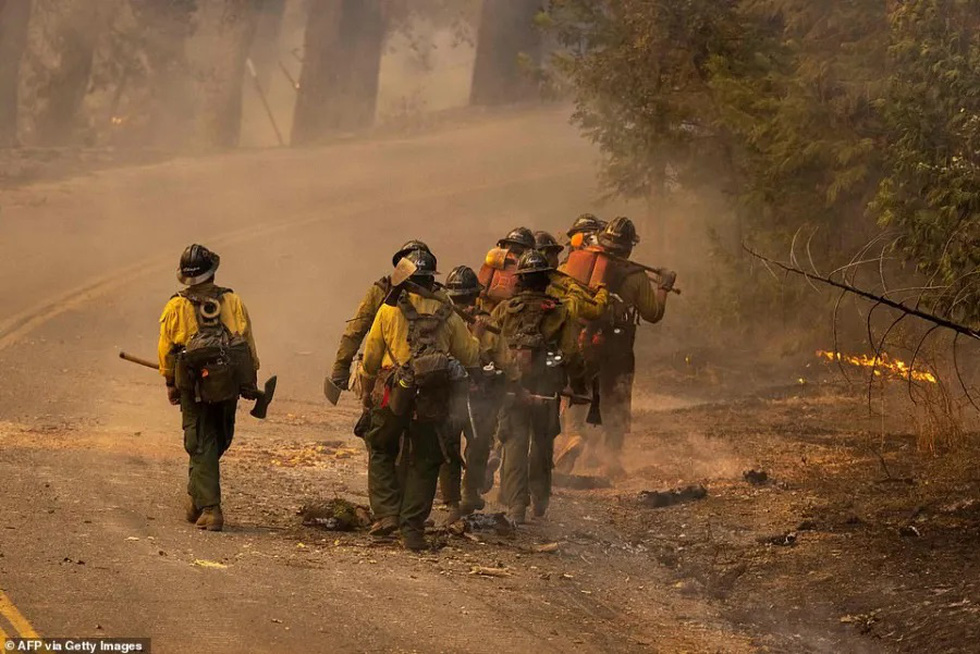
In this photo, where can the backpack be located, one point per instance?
(589, 266)
(214, 364)
(430, 371)
(534, 360)
(498, 276)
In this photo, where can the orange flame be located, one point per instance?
(882, 364)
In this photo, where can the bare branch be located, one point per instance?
(916, 354)
(918, 313)
(959, 375)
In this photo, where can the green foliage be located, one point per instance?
(840, 114)
(640, 72)
(932, 113)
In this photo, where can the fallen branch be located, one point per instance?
(912, 311)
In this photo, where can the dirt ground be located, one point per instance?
(855, 542)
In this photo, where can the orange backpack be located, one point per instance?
(589, 266)
(498, 275)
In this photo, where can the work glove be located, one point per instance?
(479, 328)
(173, 395)
(341, 378)
(250, 392)
(667, 279)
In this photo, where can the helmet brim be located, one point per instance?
(534, 270)
(203, 277)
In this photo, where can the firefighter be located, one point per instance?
(360, 324)
(208, 359)
(608, 342)
(497, 275)
(414, 355)
(584, 305)
(537, 351)
(476, 415)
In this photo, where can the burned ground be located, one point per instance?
(856, 541)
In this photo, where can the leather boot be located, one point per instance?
(414, 540)
(569, 453)
(211, 519)
(471, 505)
(192, 513)
(454, 514)
(517, 514)
(384, 527)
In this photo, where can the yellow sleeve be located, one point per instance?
(247, 333)
(638, 290)
(357, 328)
(462, 344)
(169, 327)
(587, 307)
(493, 346)
(374, 346)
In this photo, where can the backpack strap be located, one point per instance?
(198, 301)
(422, 329)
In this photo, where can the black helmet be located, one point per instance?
(519, 236)
(587, 222)
(425, 263)
(545, 242)
(619, 234)
(532, 262)
(462, 281)
(414, 244)
(197, 264)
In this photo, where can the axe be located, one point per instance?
(263, 398)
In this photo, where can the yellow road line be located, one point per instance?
(3, 637)
(16, 618)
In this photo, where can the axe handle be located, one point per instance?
(138, 361)
(471, 320)
(658, 272)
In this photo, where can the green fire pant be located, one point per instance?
(477, 452)
(208, 431)
(410, 500)
(527, 436)
(615, 401)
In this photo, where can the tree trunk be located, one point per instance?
(14, 17)
(341, 63)
(507, 31)
(63, 94)
(170, 111)
(265, 45)
(225, 30)
(363, 30)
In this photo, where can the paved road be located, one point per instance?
(91, 466)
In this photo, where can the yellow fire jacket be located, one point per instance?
(359, 326)
(387, 342)
(580, 304)
(178, 324)
(638, 290)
